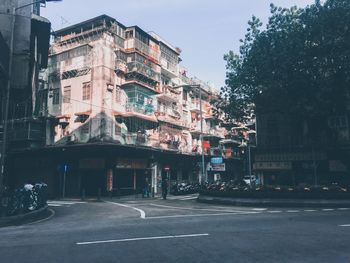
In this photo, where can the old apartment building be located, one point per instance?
(120, 108)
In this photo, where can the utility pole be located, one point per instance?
(249, 166)
(201, 136)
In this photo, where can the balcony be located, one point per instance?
(143, 69)
(168, 95)
(169, 68)
(133, 44)
(170, 118)
(120, 66)
(215, 132)
(140, 80)
(195, 106)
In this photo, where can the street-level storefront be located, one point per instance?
(109, 169)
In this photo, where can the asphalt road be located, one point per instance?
(178, 230)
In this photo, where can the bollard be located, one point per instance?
(83, 195)
(99, 194)
(152, 192)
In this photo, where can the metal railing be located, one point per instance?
(144, 70)
(133, 43)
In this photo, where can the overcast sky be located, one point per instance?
(205, 30)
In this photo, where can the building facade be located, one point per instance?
(121, 109)
(20, 20)
(296, 151)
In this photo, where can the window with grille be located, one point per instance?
(66, 94)
(86, 91)
(56, 96)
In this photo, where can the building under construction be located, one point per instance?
(121, 109)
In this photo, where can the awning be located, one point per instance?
(65, 116)
(151, 118)
(83, 113)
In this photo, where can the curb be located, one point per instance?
(273, 202)
(18, 219)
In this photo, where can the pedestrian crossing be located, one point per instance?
(54, 203)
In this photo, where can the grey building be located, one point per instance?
(20, 21)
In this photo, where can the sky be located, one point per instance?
(204, 30)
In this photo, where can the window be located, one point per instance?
(66, 94)
(129, 34)
(184, 95)
(118, 94)
(117, 130)
(68, 62)
(85, 128)
(86, 91)
(56, 96)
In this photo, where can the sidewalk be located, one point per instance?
(273, 202)
(25, 218)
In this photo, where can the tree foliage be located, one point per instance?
(299, 64)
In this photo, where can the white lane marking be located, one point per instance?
(53, 204)
(309, 210)
(142, 213)
(292, 211)
(188, 198)
(203, 209)
(64, 202)
(274, 211)
(199, 215)
(343, 208)
(140, 238)
(179, 197)
(328, 209)
(345, 225)
(44, 219)
(259, 209)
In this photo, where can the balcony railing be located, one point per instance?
(216, 132)
(145, 109)
(135, 44)
(120, 65)
(144, 70)
(168, 95)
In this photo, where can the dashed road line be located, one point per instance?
(274, 211)
(343, 208)
(140, 239)
(328, 209)
(293, 211)
(310, 210)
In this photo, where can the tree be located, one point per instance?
(298, 65)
